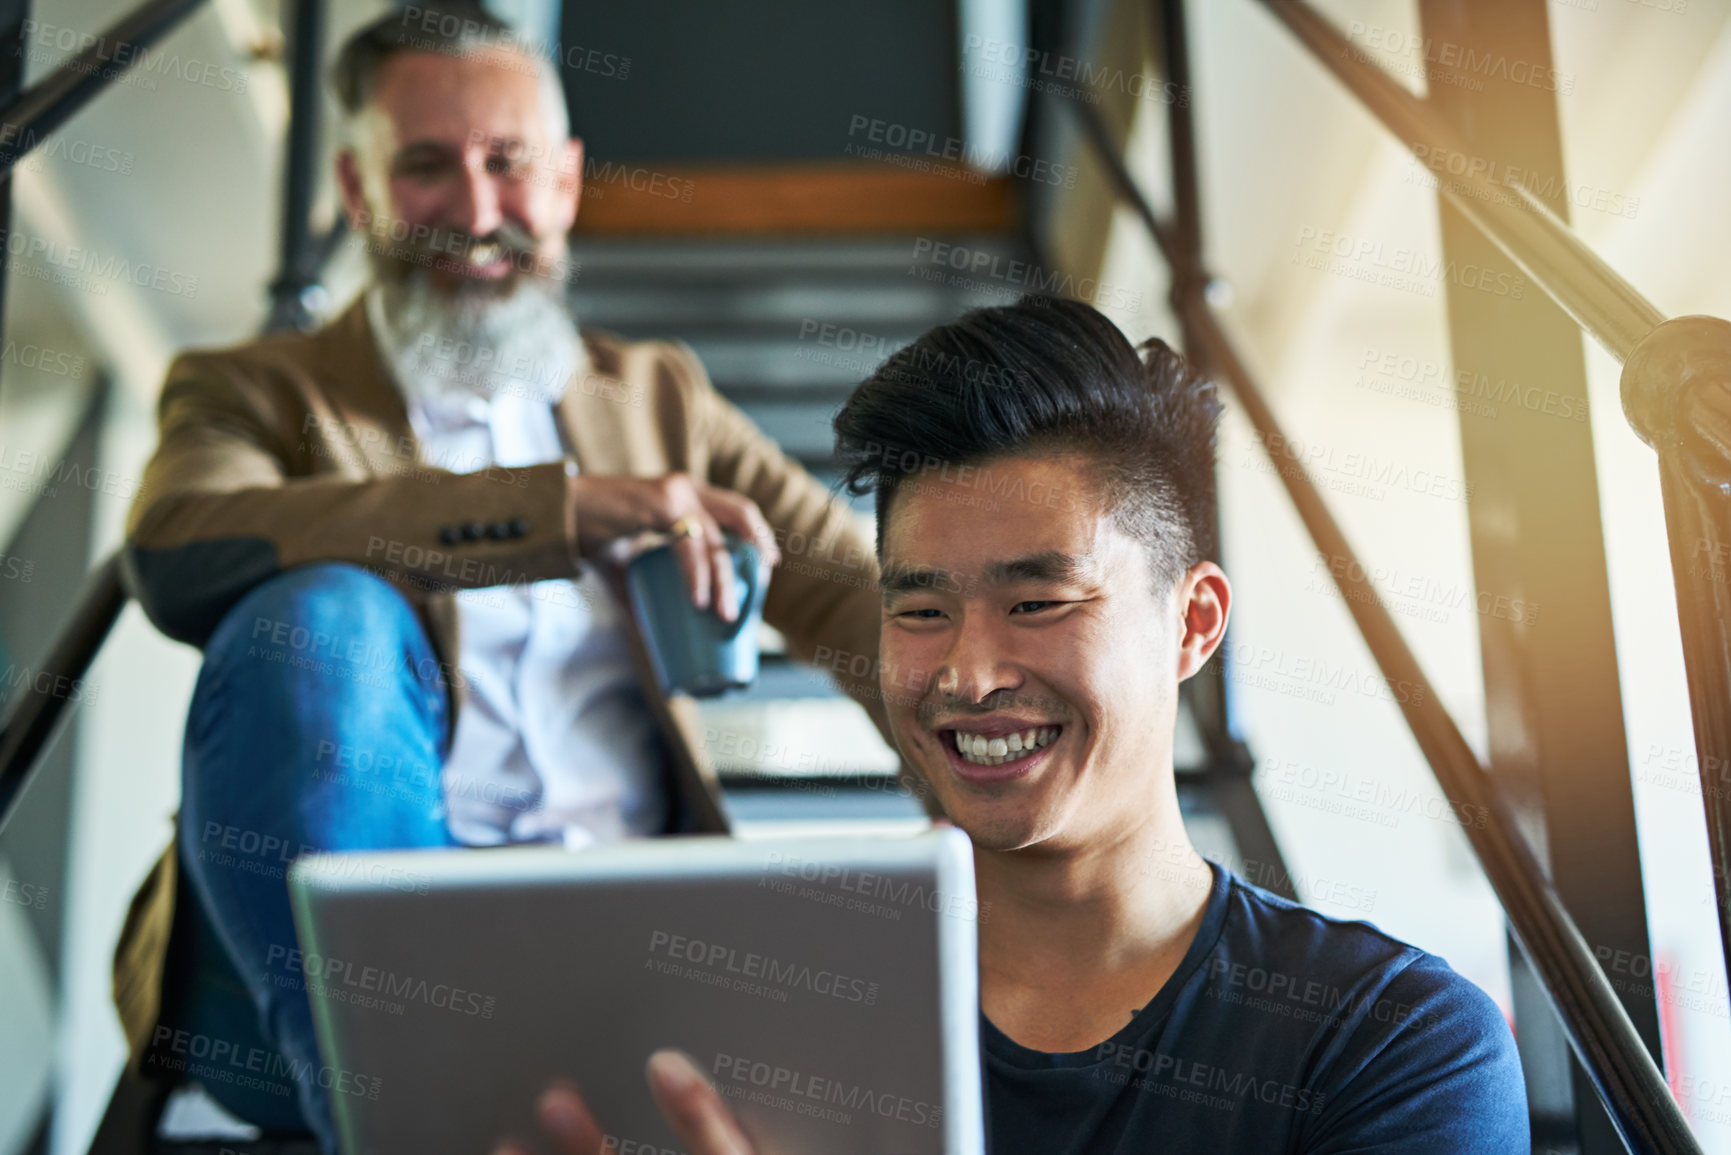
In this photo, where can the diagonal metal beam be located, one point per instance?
(1520, 224)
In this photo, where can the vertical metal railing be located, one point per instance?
(1676, 389)
(300, 257)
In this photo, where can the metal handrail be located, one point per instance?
(1676, 393)
(1516, 221)
(1598, 1028)
(35, 716)
(51, 101)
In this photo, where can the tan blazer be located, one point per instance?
(297, 448)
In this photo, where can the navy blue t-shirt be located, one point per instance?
(1282, 1031)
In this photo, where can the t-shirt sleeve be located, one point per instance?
(1429, 1068)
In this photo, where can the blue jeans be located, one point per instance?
(319, 723)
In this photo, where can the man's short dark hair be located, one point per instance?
(1039, 377)
(451, 28)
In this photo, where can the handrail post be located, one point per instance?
(13, 48)
(1676, 390)
(299, 256)
(1230, 764)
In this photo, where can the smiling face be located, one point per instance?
(458, 169)
(1035, 619)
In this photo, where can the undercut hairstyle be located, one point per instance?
(451, 28)
(1046, 377)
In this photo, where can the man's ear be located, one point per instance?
(352, 188)
(1204, 604)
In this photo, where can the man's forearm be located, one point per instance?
(192, 554)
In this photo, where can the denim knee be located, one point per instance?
(328, 611)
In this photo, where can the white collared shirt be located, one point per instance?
(554, 741)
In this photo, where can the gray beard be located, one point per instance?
(444, 346)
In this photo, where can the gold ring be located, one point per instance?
(686, 527)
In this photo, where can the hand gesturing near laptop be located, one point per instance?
(690, 1104)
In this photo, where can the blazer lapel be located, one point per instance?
(363, 392)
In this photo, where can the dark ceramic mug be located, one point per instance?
(694, 651)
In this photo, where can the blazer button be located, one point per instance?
(519, 526)
(450, 535)
(499, 531)
(474, 531)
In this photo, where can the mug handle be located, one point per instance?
(753, 581)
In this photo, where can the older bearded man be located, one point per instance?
(391, 539)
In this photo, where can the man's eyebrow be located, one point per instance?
(900, 578)
(1046, 566)
(423, 150)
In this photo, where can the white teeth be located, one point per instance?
(993, 751)
(484, 254)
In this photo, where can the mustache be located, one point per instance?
(399, 239)
(950, 709)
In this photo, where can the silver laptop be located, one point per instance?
(828, 987)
